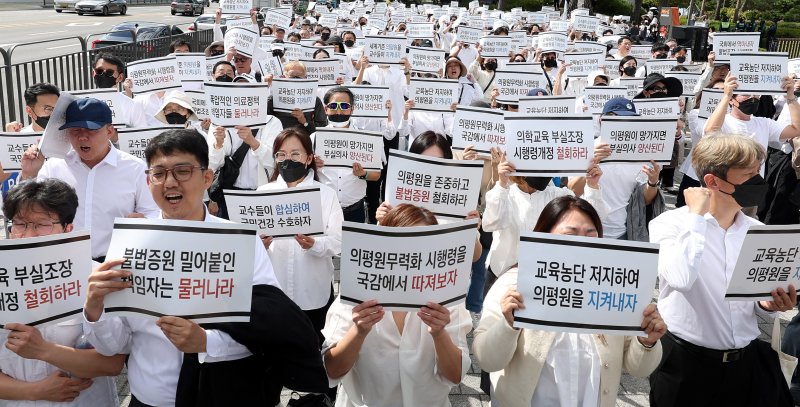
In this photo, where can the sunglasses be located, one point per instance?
(107, 72)
(339, 105)
(659, 89)
(240, 59)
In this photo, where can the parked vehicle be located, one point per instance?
(190, 7)
(61, 5)
(104, 7)
(145, 47)
(206, 22)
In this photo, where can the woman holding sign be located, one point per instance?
(541, 368)
(400, 358)
(304, 264)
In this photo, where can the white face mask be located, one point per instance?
(339, 124)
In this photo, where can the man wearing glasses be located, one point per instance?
(109, 72)
(40, 99)
(308, 121)
(109, 182)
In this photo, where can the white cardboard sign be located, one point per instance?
(759, 73)
(549, 146)
(237, 104)
(547, 105)
(154, 74)
(637, 139)
(370, 101)
(769, 259)
(340, 148)
(482, 128)
(12, 146)
(435, 95)
(279, 213)
(288, 94)
(514, 84)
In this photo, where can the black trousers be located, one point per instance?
(317, 317)
(136, 403)
(686, 182)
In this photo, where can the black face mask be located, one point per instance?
(339, 118)
(175, 118)
(291, 170)
(797, 93)
(277, 53)
(349, 43)
(42, 121)
(490, 66)
(538, 183)
(224, 78)
(550, 63)
(661, 56)
(105, 81)
(749, 193)
(660, 94)
(629, 70)
(325, 36)
(749, 106)
(681, 59)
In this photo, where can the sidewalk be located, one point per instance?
(15, 5)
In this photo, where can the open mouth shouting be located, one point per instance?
(174, 198)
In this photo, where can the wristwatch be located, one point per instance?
(656, 185)
(364, 177)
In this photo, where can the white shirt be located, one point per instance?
(306, 275)
(395, 370)
(395, 79)
(509, 212)
(570, 376)
(102, 392)
(696, 125)
(155, 363)
(760, 129)
(257, 164)
(150, 104)
(784, 119)
(618, 183)
(349, 188)
(420, 121)
(114, 188)
(695, 264)
(131, 115)
(468, 55)
(380, 125)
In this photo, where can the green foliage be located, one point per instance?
(614, 7)
(788, 30)
(529, 5)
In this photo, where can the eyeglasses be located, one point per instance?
(106, 72)
(240, 59)
(659, 89)
(43, 227)
(181, 173)
(280, 156)
(339, 105)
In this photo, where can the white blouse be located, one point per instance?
(258, 164)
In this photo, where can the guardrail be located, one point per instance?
(74, 71)
(790, 45)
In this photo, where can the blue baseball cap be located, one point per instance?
(620, 106)
(536, 91)
(87, 113)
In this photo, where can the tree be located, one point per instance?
(720, 3)
(636, 14)
(740, 4)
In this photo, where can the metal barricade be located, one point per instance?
(790, 45)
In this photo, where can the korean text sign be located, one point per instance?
(482, 128)
(110, 96)
(514, 84)
(288, 94)
(370, 100)
(13, 146)
(759, 72)
(769, 259)
(583, 284)
(384, 50)
(727, 43)
(154, 74)
(232, 104)
(280, 213)
(404, 268)
(244, 39)
(596, 97)
(635, 139)
(343, 147)
(201, 271)
(434, 95)
(134, 141)
(547, 105)
(555, 146)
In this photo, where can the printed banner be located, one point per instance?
(273, 17)
(325, 71)
(606, 292)
(384, 50)
(552, 41)
(235, 6)
(245, 40)
(419, 30)
(709, 101)
(435, 95)
(496, 46)
(428, 60)
(633, 86)
(585, 23)
(767, 260)
(596, 97)
(658, 106)
(44, 279)
(201, 271)
(448, 188)
(515, 84)
(370, 101)
(199, 103)
(759, 73)
(288, 94)
(12, 146)
(154, 74)
(469, 35)
(134, 141)
(340, 148)
(726, 43)
(481, 128)
(549, 146)
(637, 139)
(584, 63)
(191, 66)
(110, 96)
(279, 213)
(237, 104)
(547, 105)
(405, 268)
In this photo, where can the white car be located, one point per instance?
(61, 5)
(206, 22)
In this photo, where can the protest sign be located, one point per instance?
(482, 128)
(596, 97)
(555, 16)
(794, 66)
(435, 95)
(384, 50)
(519, 40)
(759, 73)
(584, 284)
(111, 97)
(726, 43)
(340, 148)
(271, 66)
(448, 188)
(658, 106)
(237, 104)
(419, 30)
(191, 66)
(581, 64)
(244, 39)
(243, 22)
(325, 71)
(44, 278)
(585, 23)
(514, 84)
(288, 94)
(278, 213)
(200, 271)
(199, 103)
(547, 105)
(767, 260)
(274, 17)
(12, 146)
(210, 62)
(134, 141)
(558, 26)
(555, 146)
(309, 50)
(293, 51)
(235, 6)
(495, 46)
(154, 74)
(327, 19)
(632, 85)
(469, 35)
(641, 52)
(378, 24)
(709, 101)
(424, 59)
(661, 66)
(552, 41)
(637, 139)
(55, 142)
(538, 18)
(370, 101)
(688, 80)
(589, 46)
(265, 42)
(404, 268)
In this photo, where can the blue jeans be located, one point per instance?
(476, 282)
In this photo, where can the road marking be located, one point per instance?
(65, 46)
(84, 24)
(51, 32)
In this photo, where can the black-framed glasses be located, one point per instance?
(659, 89)
(280, 156)
(240, 59)
(181, 173)
(42, 227)
(339, 105)
(106, 72)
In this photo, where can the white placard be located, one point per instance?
(538, 18)
(661, 66)
(424, 59)
(759, 73)
(154, 74)
(293, 51)
(274, 17)
(709, 101)
(519, 40)
(265, 42)
(325, 71)
(584, 63)
(514, 84)
(111, 97)
(378, 24)
(340, 148)
(495, 46)
(769, 259)
(370, 101)
(552, 41)
(419, 30)
(552, 146)
(419, 264)
(448, 188)
(633, 86)
(639, 139)
(199, 103)
(309, 50)
(134, 141)
(288, 94)
(191, 66)
(328, 19)
(235, 6)
(237, 104)
(55, 142)
(547, 105)
(201, 271)
(641, 53)
(688, 80)
(210, 62)
(245, 40)
(12, 146)
(384, 50)
(242, 22)
(794, 66)
(279, 213)
(435, 95)
(469, 35)
(271, 66)
(585, 23)
(658, 106)
(583, 284)
(726, 43)
(596, 97)
(559, 26)
(44, 278)
(589, 46)
(481, 128)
